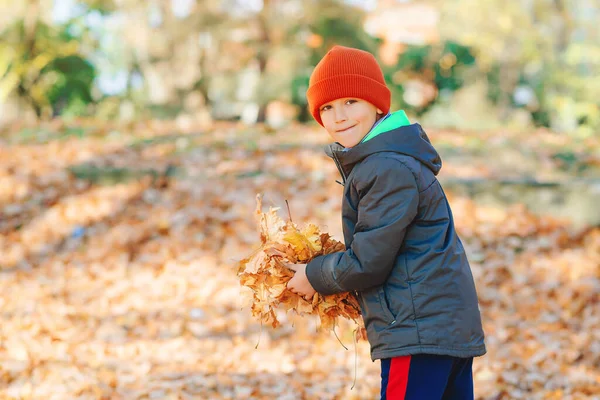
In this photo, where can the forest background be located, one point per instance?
(451, 63)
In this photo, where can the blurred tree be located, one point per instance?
(430, 69)
(44, 66)
(165, 55)
(70, 88)
(539, 55)
(281, 42)
(230, 56)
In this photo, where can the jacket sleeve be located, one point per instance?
(388, 202)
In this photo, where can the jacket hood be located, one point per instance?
(410, 140)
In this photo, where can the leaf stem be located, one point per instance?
(355, 356)
(335, 333)
(289, 212)
(259, 332)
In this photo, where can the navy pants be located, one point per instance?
(426, 377)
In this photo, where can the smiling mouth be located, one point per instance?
(344, 130)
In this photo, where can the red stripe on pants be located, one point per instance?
(398, 378)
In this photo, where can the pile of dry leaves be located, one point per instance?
(264, 273)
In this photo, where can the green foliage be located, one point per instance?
(73, 77)
(44, 67)
(298, 90)
(103, 6)
(442, 65)
(451, 64)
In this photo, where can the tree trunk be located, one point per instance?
(263, 58)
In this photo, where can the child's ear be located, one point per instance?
(379, 112)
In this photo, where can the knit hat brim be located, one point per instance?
(349, 85)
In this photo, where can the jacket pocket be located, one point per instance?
(385, 307)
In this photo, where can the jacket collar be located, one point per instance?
(409, 140)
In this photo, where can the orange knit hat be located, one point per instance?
(347, 72)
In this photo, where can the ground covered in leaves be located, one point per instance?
(118, 253)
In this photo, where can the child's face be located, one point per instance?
(348, 119)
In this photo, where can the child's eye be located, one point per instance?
(325, 108)
(351, 101)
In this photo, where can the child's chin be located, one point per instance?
(349, 144)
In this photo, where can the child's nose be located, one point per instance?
(340, 114)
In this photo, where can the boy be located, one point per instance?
(403, 258)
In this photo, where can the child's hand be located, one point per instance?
(299, 283)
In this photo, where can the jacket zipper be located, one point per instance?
(340, 169)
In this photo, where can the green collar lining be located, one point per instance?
(393, 121)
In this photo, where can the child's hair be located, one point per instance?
(347, 72)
